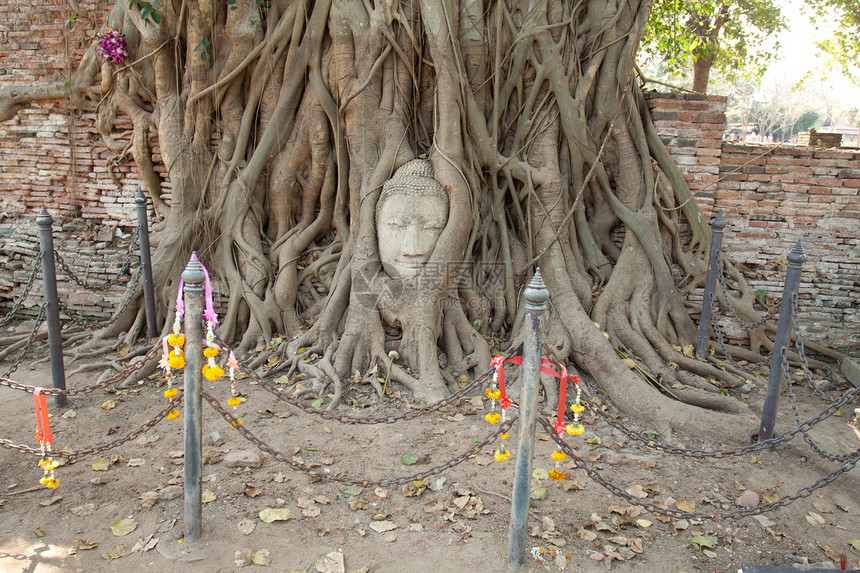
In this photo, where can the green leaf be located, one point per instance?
(539, 493)
(116, 552)
(205, 42)
(101, 465)
(855, 544)
(354, 491)
(408, 459)
(204, 56)
(317, 403)
(122, 527)
(540, 473)
(145, 13)
(702, 541)
(156, 17)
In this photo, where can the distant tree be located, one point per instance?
(705, 34)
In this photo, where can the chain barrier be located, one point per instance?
(304, 468)
(773, 312)
(73, 454)
(801, 350)
(34, 272)
(595, 476)
(126, 265)
(786, 382)
(118, 377)
(748, 449)
(39, 320)
(93, 324)
(328, 415)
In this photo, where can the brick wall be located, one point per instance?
(773, 196)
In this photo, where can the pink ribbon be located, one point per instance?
(209, 314)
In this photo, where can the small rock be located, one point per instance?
(171, 492)
(243, 459)
(243, 557)
(764, 521)
(748, 499)
(246, 526)
(215, 438)
(84, 510)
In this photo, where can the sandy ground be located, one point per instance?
(459, 523)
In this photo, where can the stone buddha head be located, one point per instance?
(411, 212)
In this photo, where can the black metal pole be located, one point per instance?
(780, 342)
(193, 277)
(146, 265)
(536, 296)
(710, 281)
(49, 276)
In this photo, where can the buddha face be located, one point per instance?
(407, 228)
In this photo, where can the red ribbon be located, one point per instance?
(43, 426)
(545, 367)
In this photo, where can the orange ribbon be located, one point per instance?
(43, 426)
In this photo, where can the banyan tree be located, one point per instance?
(363, 176)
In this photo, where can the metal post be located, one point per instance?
(193, 277)
(146, 265)
(536, 296)
(710, 281)
(780, 342)
(49, 276)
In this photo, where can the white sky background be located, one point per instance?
(799, 56)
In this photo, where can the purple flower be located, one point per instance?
(111, 46)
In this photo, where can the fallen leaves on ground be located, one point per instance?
(122, 527)
(271, 514)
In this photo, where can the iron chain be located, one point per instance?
(748, 449)
(30, 280)
(305, 468)
(749, 325)
(73, 454)
(90, 325)
(102, 287)
(801, 350)
(39, 320)
(411, 414)
(119, 376)
(595, 476)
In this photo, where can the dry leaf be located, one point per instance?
(686, 504)
(586, 535)
(207, 496)
(116, 552)
(271, 514)
(83, 545)
(311, 511)
(251, 491)
(815, 520)
(108, 405)
(101, 465)
(136, 462)
(148, 499)
(382, 526)
(637, 491)
(356, 503)
(122, 527)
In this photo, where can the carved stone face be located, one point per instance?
(407, 228)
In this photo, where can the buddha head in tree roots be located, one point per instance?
(411, 212)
